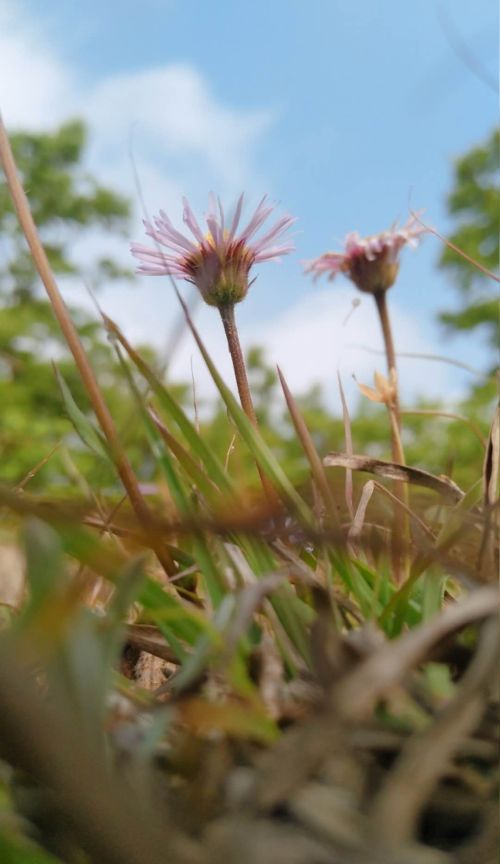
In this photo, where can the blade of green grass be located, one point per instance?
(354, 582)
(437, 675)
(261, 452)
(304, 436)
(198, 446)
(211, 572)
(452, 528)
(86, 431)
(190, 466)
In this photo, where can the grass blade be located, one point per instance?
(268, 463)
(82, 425)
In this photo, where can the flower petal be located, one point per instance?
(370, 393)
(215, 231)
(280, 226)
(166, 230)
(236, 217)
(190, 220)
(273, 252)
(260, 216)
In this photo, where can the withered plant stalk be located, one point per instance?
(101, 410)
(401, 533)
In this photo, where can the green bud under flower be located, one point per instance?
(221, 279)
(373, 276)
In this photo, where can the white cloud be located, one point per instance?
(182, 137)
(35, 85)
(175, 117)
(176, 122)
(313, 339)
(186, 140)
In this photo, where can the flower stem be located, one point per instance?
(240, 373)
(385, 323)
(401, 523)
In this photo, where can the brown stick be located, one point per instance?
(97, 401)
(401, 526)
(385, 323)
(426, 756)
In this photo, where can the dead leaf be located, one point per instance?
(393, 471)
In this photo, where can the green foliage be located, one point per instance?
(257, 605)
(65, 201)
(474, 206)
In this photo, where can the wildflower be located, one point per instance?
(372, 263)
(385, 390)
(218, 262)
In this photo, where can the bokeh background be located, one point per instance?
(346, 114)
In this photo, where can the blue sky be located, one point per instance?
(344, 112)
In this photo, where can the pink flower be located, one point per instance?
(372, 263)
(217, 262)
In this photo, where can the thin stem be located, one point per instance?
(401, 524)
(70, 333)
(385, 323)
(240, 373)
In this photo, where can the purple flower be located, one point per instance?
(372, 263)
(218, 262)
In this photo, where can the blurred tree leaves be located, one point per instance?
(65, 200)
(67, 204)
(474, 204)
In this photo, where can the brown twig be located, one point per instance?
(315, 463)
(348, 447)
(401, 526)
(455, 248)
(389, 666)
(425, 757)
(74, 343)
(488, 553)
